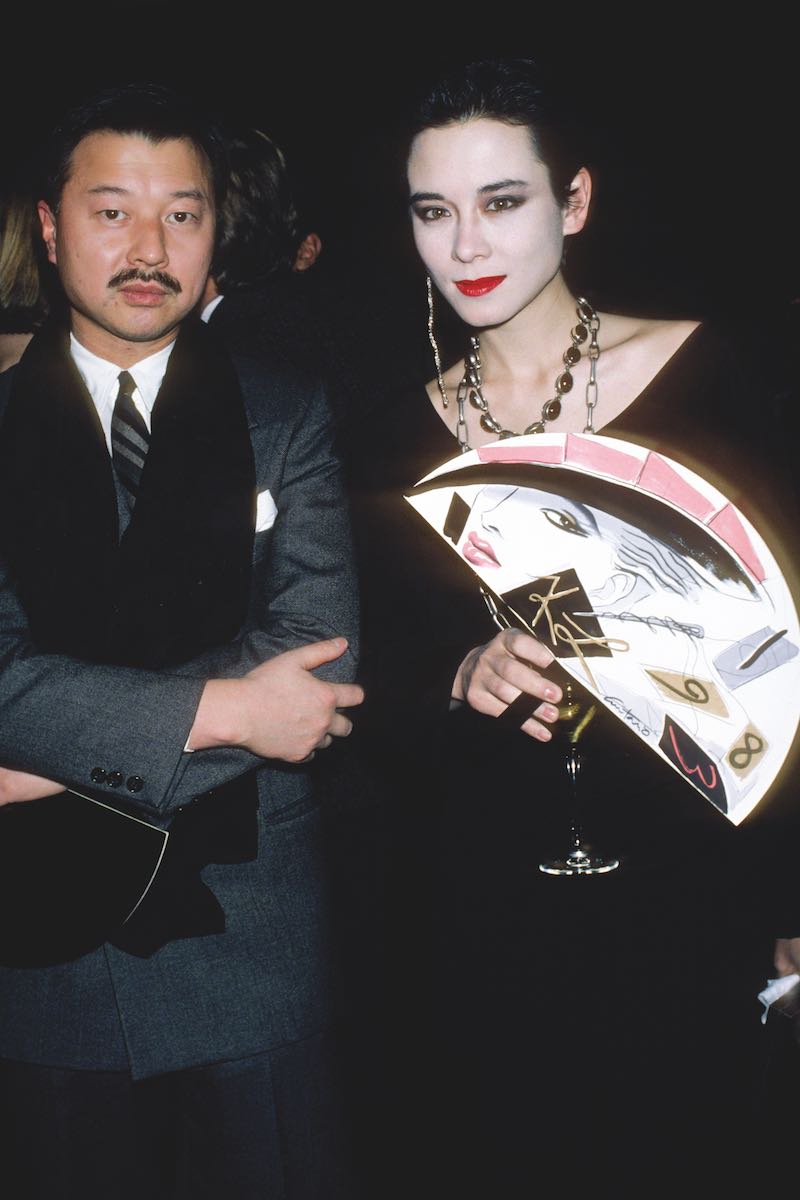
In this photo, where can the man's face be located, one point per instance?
(132, 241)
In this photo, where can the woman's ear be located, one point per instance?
(576, 210)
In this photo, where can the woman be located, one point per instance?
(609, 1017)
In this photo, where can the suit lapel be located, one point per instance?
(58, 513)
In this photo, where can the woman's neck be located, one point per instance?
(525, 353)
(527, 350)
(521, 359)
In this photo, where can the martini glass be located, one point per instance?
(574, 716)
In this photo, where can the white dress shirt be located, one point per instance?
(102, 381)
(205, 315)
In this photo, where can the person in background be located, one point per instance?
(262, 291)
(24, 300)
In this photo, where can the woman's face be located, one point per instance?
(486, 223)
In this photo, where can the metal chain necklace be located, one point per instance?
(470, 387)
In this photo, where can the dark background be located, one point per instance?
(692, 121)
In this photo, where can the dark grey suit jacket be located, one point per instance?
(266, 980)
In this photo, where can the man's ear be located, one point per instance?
(308, 252)
(48, 223)
(576, 210)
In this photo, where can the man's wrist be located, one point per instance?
(220, 717)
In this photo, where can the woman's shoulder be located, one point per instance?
(655, 337)
(634, 352)
(738, 342)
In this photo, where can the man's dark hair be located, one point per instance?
(150, 110)
(258, 230)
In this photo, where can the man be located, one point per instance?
(173, 528)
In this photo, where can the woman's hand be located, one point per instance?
(492, 676)
(17, 786)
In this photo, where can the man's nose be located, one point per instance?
(148, 246)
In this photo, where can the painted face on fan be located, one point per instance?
(486, 223)
(523, 532)
(514, 533)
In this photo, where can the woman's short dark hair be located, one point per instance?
(150, 110)
(516, 91)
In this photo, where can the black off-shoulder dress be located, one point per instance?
(539, 1025)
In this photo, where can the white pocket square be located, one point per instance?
(266, 512)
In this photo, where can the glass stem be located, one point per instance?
(573, 765)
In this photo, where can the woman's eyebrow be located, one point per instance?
(425, 196)
(501, 184)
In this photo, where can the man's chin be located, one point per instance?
(141, 326)
(152, 335)
(146, 324)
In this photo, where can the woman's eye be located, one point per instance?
(563, 521)
(431, 214)
(503, 203)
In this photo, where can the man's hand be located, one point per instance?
(18, 786)
(278, 710)
(787, 956)
(492, 676)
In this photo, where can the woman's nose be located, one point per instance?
(470, 241)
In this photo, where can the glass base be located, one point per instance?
(579, 862)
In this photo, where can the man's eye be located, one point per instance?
(181, 218)
(112, 214)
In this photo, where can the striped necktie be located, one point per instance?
(129, 436)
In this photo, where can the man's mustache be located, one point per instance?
(131, 275)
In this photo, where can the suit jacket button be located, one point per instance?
(98, 775)
(135, 783)
(114, 778)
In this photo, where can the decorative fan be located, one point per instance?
(648, 584)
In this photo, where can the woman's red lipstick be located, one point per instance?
(479, 287)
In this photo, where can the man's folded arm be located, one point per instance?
(122, 731)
